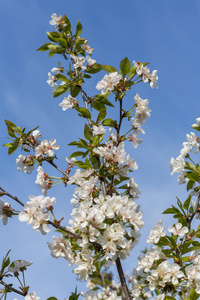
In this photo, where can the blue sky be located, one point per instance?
(164, 33)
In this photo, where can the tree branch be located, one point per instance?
(12, 289)
(123, 280)
(4, 193)
(189, 221)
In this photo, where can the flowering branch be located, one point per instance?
(9, 195)
(9, 288)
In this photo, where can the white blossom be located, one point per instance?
(108, 83)
(87, 48)
(178, 229)
(90, 61)
(46, 148)
(78, 61)
(3, 215)
(156, 233)
(24, 164)
(177, 165)
(32, 296)
(52, 82)
(68, 102)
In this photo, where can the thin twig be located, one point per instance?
(9, 195)
(12, 289)
(123, 280)
(189, 221)
(57, 168)
(65, 230)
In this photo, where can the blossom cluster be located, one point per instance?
(42, 149)
(178, 165)
(36, 212)
(144, 72)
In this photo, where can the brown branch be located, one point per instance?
(9, 195)
(12, 289)
(74, 235)
(57, 168)
(189, 221)
(65, 230)
(123, 280)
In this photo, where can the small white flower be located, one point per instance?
(68, 102)
(90, 60)
(154, 79)
(177, 165)
(78, 61)
(46, 148)
(18, 265)
(156, 233)
(32, 296)
(58, 69)
(54, 19)
(178, 229)
(23, 164)
(87, 48)
(98, 130)
(108, 82)
(197, 124)
(3, 216)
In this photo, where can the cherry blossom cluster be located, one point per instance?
(36, 212)
(108, 83)
(5, 211)
(144, 72)
(177, 165)
(105, 220)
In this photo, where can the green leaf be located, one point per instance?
(187, 202)
(125, 66)
(56, 49)
(97, 139)
(108, 69)
(132, 72)
(8, 145)
(192, 176)
(52, 298)
(86, 76)
(12, 128)
(79, 28)
(62, 77)
(94, 162)
(83, 165)
(84, 112)
(77, 153)
(102, 114)
(13, 148)
(30, 131)
(189, 166)
(53, 36)
(63, 42)
(190, 184)
(51, 53)
(74, 143)
(196, 128)
(95, 68)
(67, 21)
(44, 47)
(108, 122)
(74, 90)
(172, 241)
(193, 295)
(170, 211)
(61, 90)
(88, 133)
(103, 99)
